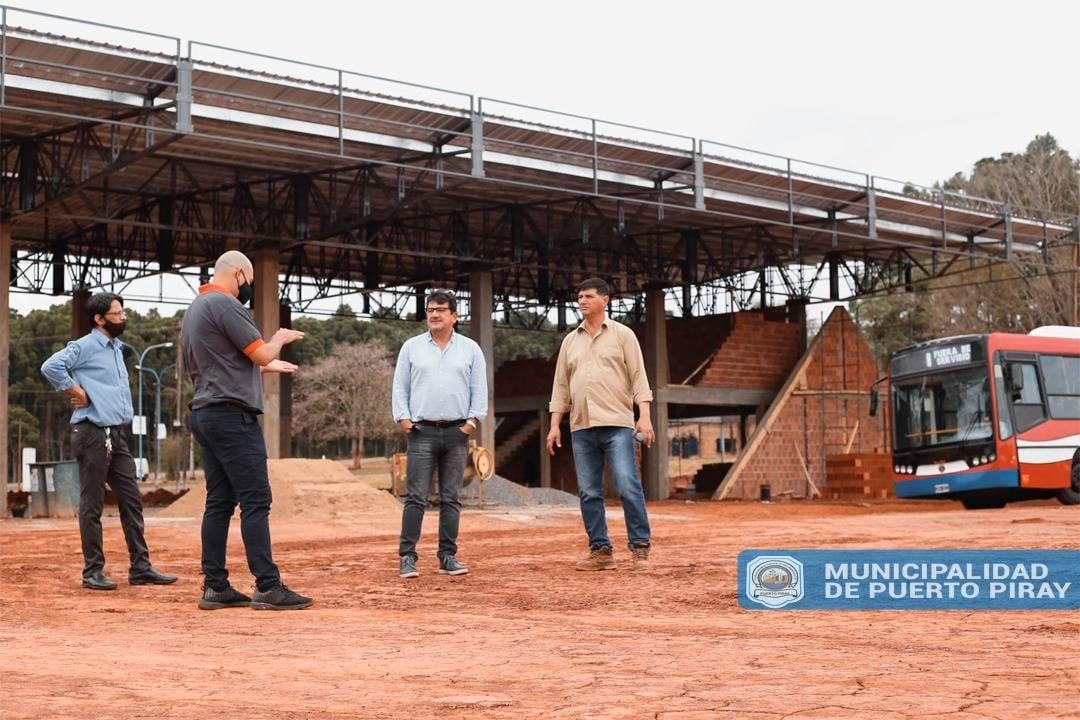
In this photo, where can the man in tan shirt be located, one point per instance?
(599, 376)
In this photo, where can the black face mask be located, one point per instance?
(246, 293)
(115, 329)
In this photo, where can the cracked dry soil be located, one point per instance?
(524, 635)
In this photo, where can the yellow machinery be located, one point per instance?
(480, 467)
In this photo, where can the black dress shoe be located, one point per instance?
(150, 576)
(97, 581)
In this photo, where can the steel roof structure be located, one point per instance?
(126, 159)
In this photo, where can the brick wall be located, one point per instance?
(819, 417)
(758, 353)
(523, 376)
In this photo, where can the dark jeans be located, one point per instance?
(234, 458)
(430, 449)
(616, 444)
(97, 467)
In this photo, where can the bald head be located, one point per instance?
(233, 260)
(232, 270)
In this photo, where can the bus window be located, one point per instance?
(942, 408)
(1062, 376)
(1028, 406)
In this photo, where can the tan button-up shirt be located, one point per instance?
(598, 380)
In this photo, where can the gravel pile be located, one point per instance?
(552, 496)
(500, 491)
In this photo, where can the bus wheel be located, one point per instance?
(1071, 495)
(982, 503)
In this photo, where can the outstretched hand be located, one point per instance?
(287, 335)
(279, 366)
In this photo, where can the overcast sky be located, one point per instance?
(913, 91)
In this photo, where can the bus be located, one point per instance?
(987, 419)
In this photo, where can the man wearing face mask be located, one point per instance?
(91, 371)
(226, 356)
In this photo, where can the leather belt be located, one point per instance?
(441, 423)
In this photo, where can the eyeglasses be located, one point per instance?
(437, 310)
(118, 313)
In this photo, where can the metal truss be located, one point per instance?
(369, 195)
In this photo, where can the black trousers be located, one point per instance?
(97, 466)
(234, 458)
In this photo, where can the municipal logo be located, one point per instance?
(774, 580)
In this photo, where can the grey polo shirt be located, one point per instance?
(218, 337)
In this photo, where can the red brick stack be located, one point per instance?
(858, 476)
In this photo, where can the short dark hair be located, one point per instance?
(598, 284)
(442, 296)
(100, 303)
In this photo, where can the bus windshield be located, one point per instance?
(942, 408)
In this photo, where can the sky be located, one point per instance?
(913, 91)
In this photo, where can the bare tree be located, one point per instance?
(347, 395)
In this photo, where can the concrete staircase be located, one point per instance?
(505, 450)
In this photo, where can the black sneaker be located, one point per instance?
(408, 568)
(450, 566)
(279, 597)
(230, 597)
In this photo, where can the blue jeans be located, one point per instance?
(591, 446)
(431, 450)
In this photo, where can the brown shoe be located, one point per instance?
(641, 558)
(599, 559)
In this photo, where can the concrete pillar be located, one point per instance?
(482, 330)
(656, 367)
(80, 321)
(5, 343)
(545, 459)
(286, 387)
(267, 264)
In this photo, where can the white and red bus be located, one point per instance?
(988, 419)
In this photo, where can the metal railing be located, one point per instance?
(671, 165)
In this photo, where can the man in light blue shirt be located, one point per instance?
(440, 397)
(91, 371)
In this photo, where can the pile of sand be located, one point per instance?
(310, 490)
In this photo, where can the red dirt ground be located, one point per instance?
(524, 636)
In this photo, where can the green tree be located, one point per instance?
(1029, 292)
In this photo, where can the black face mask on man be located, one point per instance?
(246, 292)
(115, 329)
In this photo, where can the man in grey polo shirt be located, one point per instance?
(440, 397)
(226, 356)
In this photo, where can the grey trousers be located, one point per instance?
(430, 449)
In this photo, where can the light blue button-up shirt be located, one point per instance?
(438, 385)
(96, 364)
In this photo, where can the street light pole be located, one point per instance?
(157, 422)
(140, 367)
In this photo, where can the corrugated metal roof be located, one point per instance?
(253, 124)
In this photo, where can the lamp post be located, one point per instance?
(158, 375)
(140, 367)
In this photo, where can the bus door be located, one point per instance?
(1044, 458)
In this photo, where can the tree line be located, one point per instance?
(341, 394)
(1035, 289)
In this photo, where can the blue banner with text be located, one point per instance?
(909, 579)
